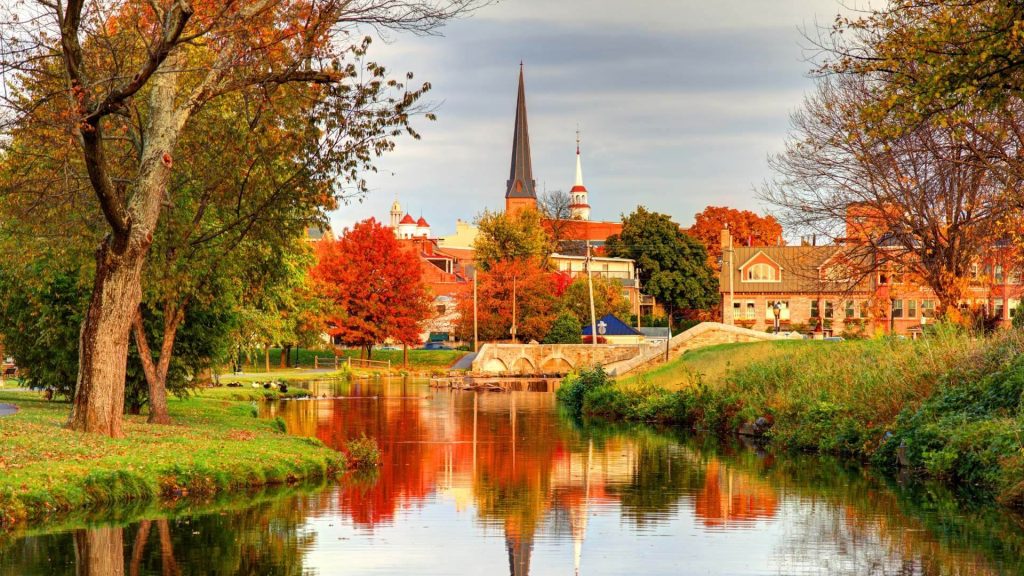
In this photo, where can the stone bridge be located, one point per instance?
(618, 359)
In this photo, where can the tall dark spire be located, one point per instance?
(520, 180)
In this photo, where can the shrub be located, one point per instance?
(576, 386)
(566, 330)
(363, 453)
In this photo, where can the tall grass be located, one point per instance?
(950, 403)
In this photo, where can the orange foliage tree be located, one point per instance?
(747, 228)
(102, 94)
(374, 285)
(534, 293)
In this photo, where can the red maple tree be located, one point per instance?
(534, 290)
(375, 285)
(748, 229)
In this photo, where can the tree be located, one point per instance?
(746, 227)
(103, 99)
(926, 202)
(565, 330)
(524, 281)
(608, 299)
(674, 267)
(556, 209)
(516, 236)
(375, 286)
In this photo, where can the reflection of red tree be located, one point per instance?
(732, 498)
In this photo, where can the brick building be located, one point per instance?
(822, 288)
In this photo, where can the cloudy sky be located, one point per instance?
(679, 103)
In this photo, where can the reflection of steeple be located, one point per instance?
(577, 518)
(519, 551)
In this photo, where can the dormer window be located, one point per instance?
(761, 272)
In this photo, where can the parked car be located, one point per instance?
(435, 346)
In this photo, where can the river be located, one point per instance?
(503, 483)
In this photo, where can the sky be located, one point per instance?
(679, 104)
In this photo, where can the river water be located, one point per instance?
(503, 483)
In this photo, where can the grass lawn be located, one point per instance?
(214, 446)
(288, 374)
(714, 363)
(418, 359)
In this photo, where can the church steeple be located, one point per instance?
(521, 189)
(579, 205)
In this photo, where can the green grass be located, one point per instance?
(247, 393)
(418, 359)
(712, 364)
(214, 446)
(289, 374)
(954, 402)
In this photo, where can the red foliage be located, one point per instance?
(375, 285)
(748, 229)
(561, 281)
(535, 296)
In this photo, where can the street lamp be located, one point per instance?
(777, 311)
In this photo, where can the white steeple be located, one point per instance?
(579, 205)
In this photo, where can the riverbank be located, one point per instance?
(214, 446)
(948, 406)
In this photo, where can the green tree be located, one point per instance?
(103, 102)
(566, 330)
(674, 267)
(608, 299)
(511, 237)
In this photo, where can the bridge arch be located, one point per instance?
(523, 365)
(495, 365)
(556, 365)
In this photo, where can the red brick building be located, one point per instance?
(819, 287)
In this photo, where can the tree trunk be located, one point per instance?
(286, 354)
(103, 340)
(266, 358)
(139, 547)
(168, 565)
(99, 552)
(156, 374)
(117, 289)
(369, 352)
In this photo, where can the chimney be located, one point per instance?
(726, 238)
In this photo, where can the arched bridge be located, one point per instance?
(536, 359)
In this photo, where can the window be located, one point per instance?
(998, 274)
(865, 309)
(897, 309)
(761, 273)
(1014, 307)
(998, 309)
(751, 314)
(975, 271)
(851, 310)
(828, 309)
(769, 311)
(911, 308)
(815, 310)
(1015, 276)
(928, 308)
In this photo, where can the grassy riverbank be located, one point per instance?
(214, 446)
(951, 401)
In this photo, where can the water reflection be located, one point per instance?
(502, 483)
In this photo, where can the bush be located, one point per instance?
(363, 453)
(566, 330)
(577, 385)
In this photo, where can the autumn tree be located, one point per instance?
(523, 281)
(101, 97)
(375, 286)
(673, 266)
(747, 229)
(566, 329)
(516, 236)
(928, 200)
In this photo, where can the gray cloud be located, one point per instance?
(675, 115)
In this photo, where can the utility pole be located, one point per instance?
(590, 290)
(732, 293)
(476, 330)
